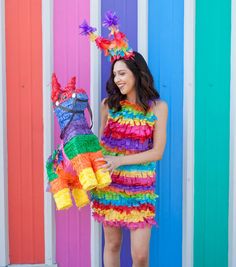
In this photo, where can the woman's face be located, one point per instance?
(124, 78)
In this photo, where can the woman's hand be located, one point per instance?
(112, 162)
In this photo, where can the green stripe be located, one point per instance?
(82, 144)
(212, 110)
(117, 195)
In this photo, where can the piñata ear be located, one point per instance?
(56, 88)
(71, 85)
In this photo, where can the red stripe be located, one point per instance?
(141, 207)
(25, 130)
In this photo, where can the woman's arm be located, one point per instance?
(160, 109)
(104, 115)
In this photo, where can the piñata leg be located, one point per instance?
(61, 193)
(82, 165)
(59, 187)
(79, 194)
(103, 177)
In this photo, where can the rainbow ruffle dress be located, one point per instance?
(129, 201)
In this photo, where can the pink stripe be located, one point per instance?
(133, 180)
(147, 223)
(71, 58)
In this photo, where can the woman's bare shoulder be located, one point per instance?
(159, 108)
(104, 106)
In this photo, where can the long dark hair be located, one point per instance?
(146, 91)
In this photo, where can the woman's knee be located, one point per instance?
(140, 257)
(113, 245)
(113, 239)
(140, 239)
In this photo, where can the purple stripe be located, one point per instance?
(133, 188)
(126, 143)
(127, 13)
(76, 128)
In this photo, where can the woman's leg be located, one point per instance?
(113, 239)
(140, 239)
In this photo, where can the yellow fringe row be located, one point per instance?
(133, 122)
(133, 216)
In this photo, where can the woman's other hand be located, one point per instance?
(111, 162)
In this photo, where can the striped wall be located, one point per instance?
(190, 48)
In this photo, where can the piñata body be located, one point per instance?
(73, 166)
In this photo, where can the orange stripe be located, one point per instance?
(25, 130)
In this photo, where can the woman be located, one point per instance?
(133, 137)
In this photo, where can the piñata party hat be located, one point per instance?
(116, 46)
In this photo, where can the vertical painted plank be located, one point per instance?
(142, 29)
(71, 57)
(49, 215)
(165, 52)
(188, 132)
(127, 13)
(232, 193)
(3, 145)
(25, 130)
(211, 182)
(95, 96)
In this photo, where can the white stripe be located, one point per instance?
(188, 132)
(232, 188)
(49, 216)
(95, 98)
(4, 242)
(143, 28)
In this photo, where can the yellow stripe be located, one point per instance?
(134, 174)
(133, 216)
(133, 122)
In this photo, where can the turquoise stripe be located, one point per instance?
(126, 115)
(138, 167)
(212, 125)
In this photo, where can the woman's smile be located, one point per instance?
(123, 78)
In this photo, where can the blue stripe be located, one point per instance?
(166, 64)
(123, 201)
